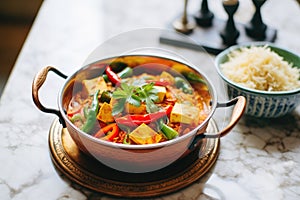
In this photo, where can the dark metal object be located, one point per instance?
(204, 17)
(209, 38)
(230, 33)
(184, 25)
(256, 28)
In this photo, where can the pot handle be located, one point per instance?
(37, 83)
(238, 110)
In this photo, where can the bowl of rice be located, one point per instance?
(266, 74)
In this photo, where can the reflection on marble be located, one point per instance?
(259, 159)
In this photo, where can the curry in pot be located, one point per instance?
(139, 100)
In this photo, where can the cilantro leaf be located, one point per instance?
(135, 95)
(134, 100)
(148, 94)
(125, 93)
(119, 94)
(118, 107)
(150, 106)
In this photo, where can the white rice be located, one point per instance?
(262, 69)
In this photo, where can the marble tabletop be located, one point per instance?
(259, 159)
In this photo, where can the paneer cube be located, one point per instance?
(144, 135)
(161, 93)
(105, 113)
(92, 85)
(132, 109)
(184, 113)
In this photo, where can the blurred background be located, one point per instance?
(16, 18)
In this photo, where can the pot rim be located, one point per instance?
(193, 132)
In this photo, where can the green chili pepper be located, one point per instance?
(90, 122)
(193, 77)
(76, 117)
(169, 132)
(184, 85)
(126, 140)
(118, 66)
(91, 117)
(105, 78)
(125, 72)
(105, 96)
(85, 112)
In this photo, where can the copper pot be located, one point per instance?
(132, 158)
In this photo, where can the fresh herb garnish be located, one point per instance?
(135, 95)
(148, 94)
(125, 93)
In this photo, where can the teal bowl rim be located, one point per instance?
(223, 54)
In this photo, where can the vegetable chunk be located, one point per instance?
(161, 93)
(168, 77)
(144, 135)
(105, 113)
(132, 109)
(92, 85)
(184, 113)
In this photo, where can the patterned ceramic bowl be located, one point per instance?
(264, 104)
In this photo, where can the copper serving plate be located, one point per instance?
(87, 172)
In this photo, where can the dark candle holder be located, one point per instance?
(230, 32)
(214, 34)
(204, 17)
(256, 28)
(183, 24)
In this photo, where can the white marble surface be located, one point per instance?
(258, 159)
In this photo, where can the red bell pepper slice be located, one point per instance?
(112, 76)
(136, 120)
(73, 111)
(108, 132)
